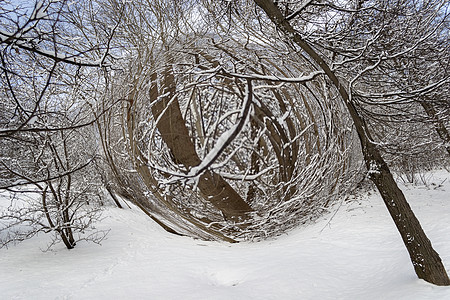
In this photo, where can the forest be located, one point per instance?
(231, 121)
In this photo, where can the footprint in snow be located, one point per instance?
(228, 277)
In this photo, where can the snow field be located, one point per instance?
(353, 254)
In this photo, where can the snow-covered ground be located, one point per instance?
(358, 254)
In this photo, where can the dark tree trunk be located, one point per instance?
(113, 195)
(426, 261)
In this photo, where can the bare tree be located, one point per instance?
(426, 261)
(52, 54)
(55, 190)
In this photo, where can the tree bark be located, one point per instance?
(437, 123)
(426, 261)
(175, 134)
(140, 163)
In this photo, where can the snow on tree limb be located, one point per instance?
(228, 136)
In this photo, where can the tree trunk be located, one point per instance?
(426, 261)
(140, 163)
(438, 124)
(175, 134)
